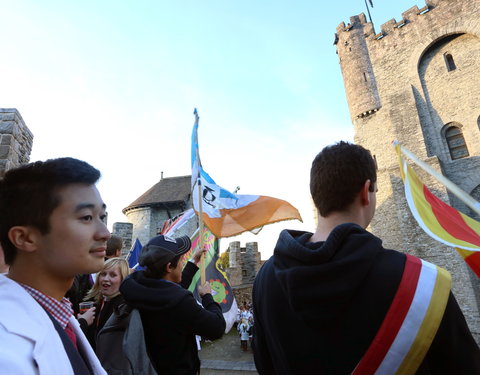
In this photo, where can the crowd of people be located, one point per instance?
(333, 301)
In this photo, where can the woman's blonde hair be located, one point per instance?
(122, 265)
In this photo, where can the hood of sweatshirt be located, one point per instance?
(151, 294)
(321, 278)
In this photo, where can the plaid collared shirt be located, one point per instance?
(60, 310)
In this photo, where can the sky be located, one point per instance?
(115, 83)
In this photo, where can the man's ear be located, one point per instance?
(24, 238)
(364, 193)
(169, 268)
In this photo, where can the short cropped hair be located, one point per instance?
(114, 243)
(29, 194)
(338, 173)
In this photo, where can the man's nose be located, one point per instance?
(102, 232)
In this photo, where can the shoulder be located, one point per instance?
(20, 313)
(30, 333)
(17, 355)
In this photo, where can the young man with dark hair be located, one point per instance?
(51, 229)
(114, 247)
(337, 302)
(170, 314)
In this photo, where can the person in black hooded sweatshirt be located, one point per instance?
(327, 302)
(171, 316)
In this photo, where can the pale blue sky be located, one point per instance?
(115, 83)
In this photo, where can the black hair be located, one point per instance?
(338, 174)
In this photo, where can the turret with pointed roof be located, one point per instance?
(164, 200)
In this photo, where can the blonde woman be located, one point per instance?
(105, 293)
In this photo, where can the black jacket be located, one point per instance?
(318, 306)
(171, 318)
(103, 311)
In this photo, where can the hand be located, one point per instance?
(204, 289)
(198, 254)
(88, 315)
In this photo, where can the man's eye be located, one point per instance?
(103, 217)
(87, 218)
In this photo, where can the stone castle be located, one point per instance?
(417, 81)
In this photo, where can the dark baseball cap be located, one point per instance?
(161, 249)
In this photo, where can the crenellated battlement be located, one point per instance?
(390, 27)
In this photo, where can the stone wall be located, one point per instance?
(15, 140)
(124, 230)
(243, 294)
(418, 97)
(244, 263)
(148, 221)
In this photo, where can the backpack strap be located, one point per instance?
(134, 345)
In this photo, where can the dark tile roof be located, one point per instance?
(167, 190)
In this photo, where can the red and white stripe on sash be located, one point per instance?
(411, 322)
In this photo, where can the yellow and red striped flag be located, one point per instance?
(439, 220)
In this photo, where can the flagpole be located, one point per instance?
(200, 212)
(368, 10)
(459, 193)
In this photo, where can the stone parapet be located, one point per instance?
(15, 140)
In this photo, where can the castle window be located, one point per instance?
(244, 272)
(456, 143)
(450, 62)
(478, 122)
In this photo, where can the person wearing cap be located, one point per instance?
(171, 316)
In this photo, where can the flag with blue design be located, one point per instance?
(133, 255)
(227, 214)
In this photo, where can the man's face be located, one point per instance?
(77, 239)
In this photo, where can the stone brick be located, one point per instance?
(5, 152)
(7, 127)
(5, 139)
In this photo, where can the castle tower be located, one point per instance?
(244, 263)
(425, 75)
(360, 85)
(15, 140)
(164, 200)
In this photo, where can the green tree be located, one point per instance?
(224, 260)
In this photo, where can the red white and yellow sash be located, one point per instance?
(411, 322)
